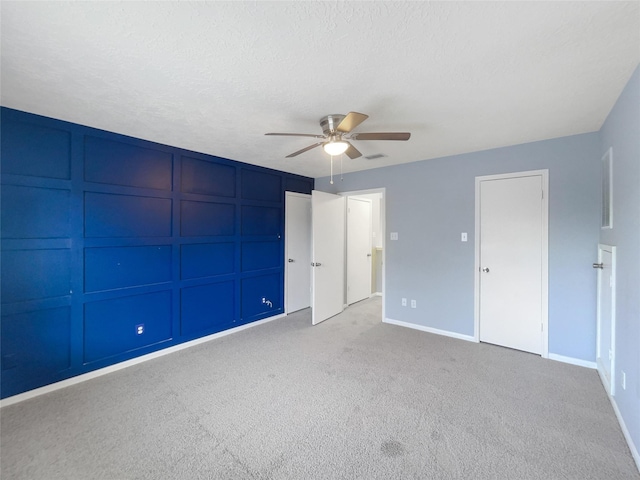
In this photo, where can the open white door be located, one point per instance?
(327, 273)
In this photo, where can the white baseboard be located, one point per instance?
(572, 361)
(128, 363)
(625, 432)
(422, 328)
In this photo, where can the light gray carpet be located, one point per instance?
(349, 398)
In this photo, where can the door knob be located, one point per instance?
(597, 265)
(317, 264)
(291, 260)
(485, 269)
(368, 254)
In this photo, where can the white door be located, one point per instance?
(605, 350)
(511, 256)
(359, 233)
(327, 284)
(298, 251)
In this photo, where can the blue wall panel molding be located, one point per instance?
(207, 309)
(206, 259)
(32, 212)
(49, 157)
(117, 163)
(202, 219)
(208, 178)
(111, 215)
(125, 324)
(119, 267)
(114, 247)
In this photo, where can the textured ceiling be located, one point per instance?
(215, 76)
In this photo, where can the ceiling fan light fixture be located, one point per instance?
(337, 147)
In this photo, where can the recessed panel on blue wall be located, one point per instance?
(207, 178)
(206, 308)
(254, 289)
(206, 259)
(260, 220)
(29, 212)
(260, 255)
(293, 184)
(118, 163)
(109, 215)
(261, 186)
(109, 268)
(120, 325)
(199, 219)
(35, 345)
(35, 150)
(35, 274)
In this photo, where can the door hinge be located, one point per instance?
(543, 194)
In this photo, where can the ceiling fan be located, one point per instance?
(337, 131)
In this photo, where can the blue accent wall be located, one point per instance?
(115, 247)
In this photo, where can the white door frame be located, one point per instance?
(286, 247)
(545, 252)
(383, 230)
(611, 388)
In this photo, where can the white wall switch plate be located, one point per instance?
(394, 235)
(404, 302)
(413, 304)
(463, 237)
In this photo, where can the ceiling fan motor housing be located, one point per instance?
(330, 123)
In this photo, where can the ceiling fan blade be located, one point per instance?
(304, 149)
(351, 121)
(352, 152)
(297, 135)
(381, 136)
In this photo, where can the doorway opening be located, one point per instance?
(317, 238)
(365, 246)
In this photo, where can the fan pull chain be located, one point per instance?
(331, 182)
(341, 157)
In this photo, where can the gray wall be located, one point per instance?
(621, 131)
(430, 203)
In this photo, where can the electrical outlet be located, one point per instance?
(264, 300)
(394, 235)
(413, 304)
(404, 302)
(140, 329)
(624, 381)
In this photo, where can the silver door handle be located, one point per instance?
(598, 265)
(368, 254)
(291, 260)
(485, 269)
(317, 264)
